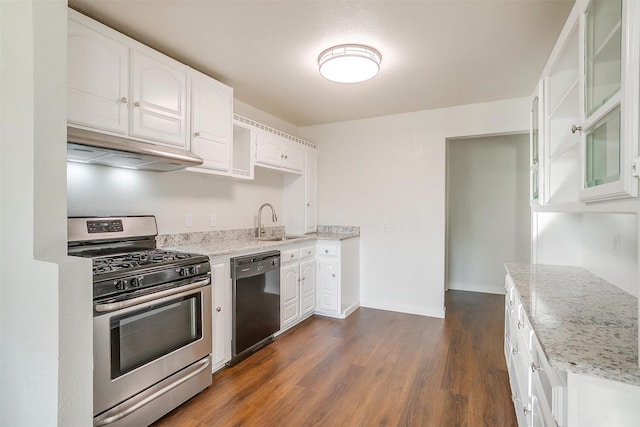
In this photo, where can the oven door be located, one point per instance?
(140, 344)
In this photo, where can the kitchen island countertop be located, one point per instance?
(584, 324)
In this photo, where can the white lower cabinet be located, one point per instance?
(297, 285)
(221, 326)
(538, 391)
(338, 277)
(545, 396)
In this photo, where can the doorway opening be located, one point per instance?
(488, 216)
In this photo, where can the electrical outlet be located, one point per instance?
(188, 220)
(213, 220)
(616, 245)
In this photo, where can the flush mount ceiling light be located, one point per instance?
(349, 63)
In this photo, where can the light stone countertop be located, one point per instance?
(584, 324)
(215, 248)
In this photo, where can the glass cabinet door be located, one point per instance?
(603, 53)
(535, 147)
(608, 135)
(603, 151)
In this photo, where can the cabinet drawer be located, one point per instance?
(308, 252)
(551, 388)
(289, 256)
(328, 249)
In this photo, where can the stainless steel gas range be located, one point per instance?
(151, 320)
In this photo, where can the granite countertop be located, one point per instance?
(584, 324)
(215, 248)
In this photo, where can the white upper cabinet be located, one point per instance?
(211, 123)
(276, 152)
(610, 102)
(120, 86)
(269, 149)
(159, 95)
(536, 146)
(589, 135)
(293, 156)
(98, 80)
(560, 163)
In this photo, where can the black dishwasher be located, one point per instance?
(256, 302)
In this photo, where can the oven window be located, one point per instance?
(142, 336)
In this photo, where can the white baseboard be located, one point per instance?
(498, 289)
(429, 312)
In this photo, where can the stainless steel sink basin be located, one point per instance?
(280, 238)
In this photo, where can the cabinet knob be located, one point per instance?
(514, 351)
(282, 156)
(124, 100)
(575, 128)
(326, 251)
(196, 134)
(286, 157)
(308, 204)
(535, 368)
(527, 411)
(333, 275)
(136, 104)
(520, 325)
(218, 309)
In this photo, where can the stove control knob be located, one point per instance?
(120, 284)
(192, 270)
(184, 271)
(135, 282)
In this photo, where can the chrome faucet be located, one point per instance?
(274, 218)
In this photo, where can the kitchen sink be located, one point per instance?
(280, 238)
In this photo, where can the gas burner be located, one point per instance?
(108, 264)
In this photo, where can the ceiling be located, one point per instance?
(435, 53)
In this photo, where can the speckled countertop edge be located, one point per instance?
(217, 248)
(584, 324)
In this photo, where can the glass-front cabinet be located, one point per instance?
(609, 130)
(535, 150)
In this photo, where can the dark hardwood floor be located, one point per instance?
(375, 368)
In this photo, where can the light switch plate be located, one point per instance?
(188, 220)
(213, 220)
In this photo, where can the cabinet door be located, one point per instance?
(308, 287)
(269, 149)
(97, 80)
(159, 92)
(310, 192)
(328, 284)
(293, 156)
(610, 133)
(289, 294)
(221, 315)
(211, 119)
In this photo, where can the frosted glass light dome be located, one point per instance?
(349, 63)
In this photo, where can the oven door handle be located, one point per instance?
(121, 411)
(103, 308)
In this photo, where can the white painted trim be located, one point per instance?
(470, 287)
(429, 312)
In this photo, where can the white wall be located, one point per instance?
(587, 240)
(489, 218)
(263, 117)
(387, 175)
(45, 297)
(103, 190)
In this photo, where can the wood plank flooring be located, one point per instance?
(375, 368)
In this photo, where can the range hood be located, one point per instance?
(96, 148)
